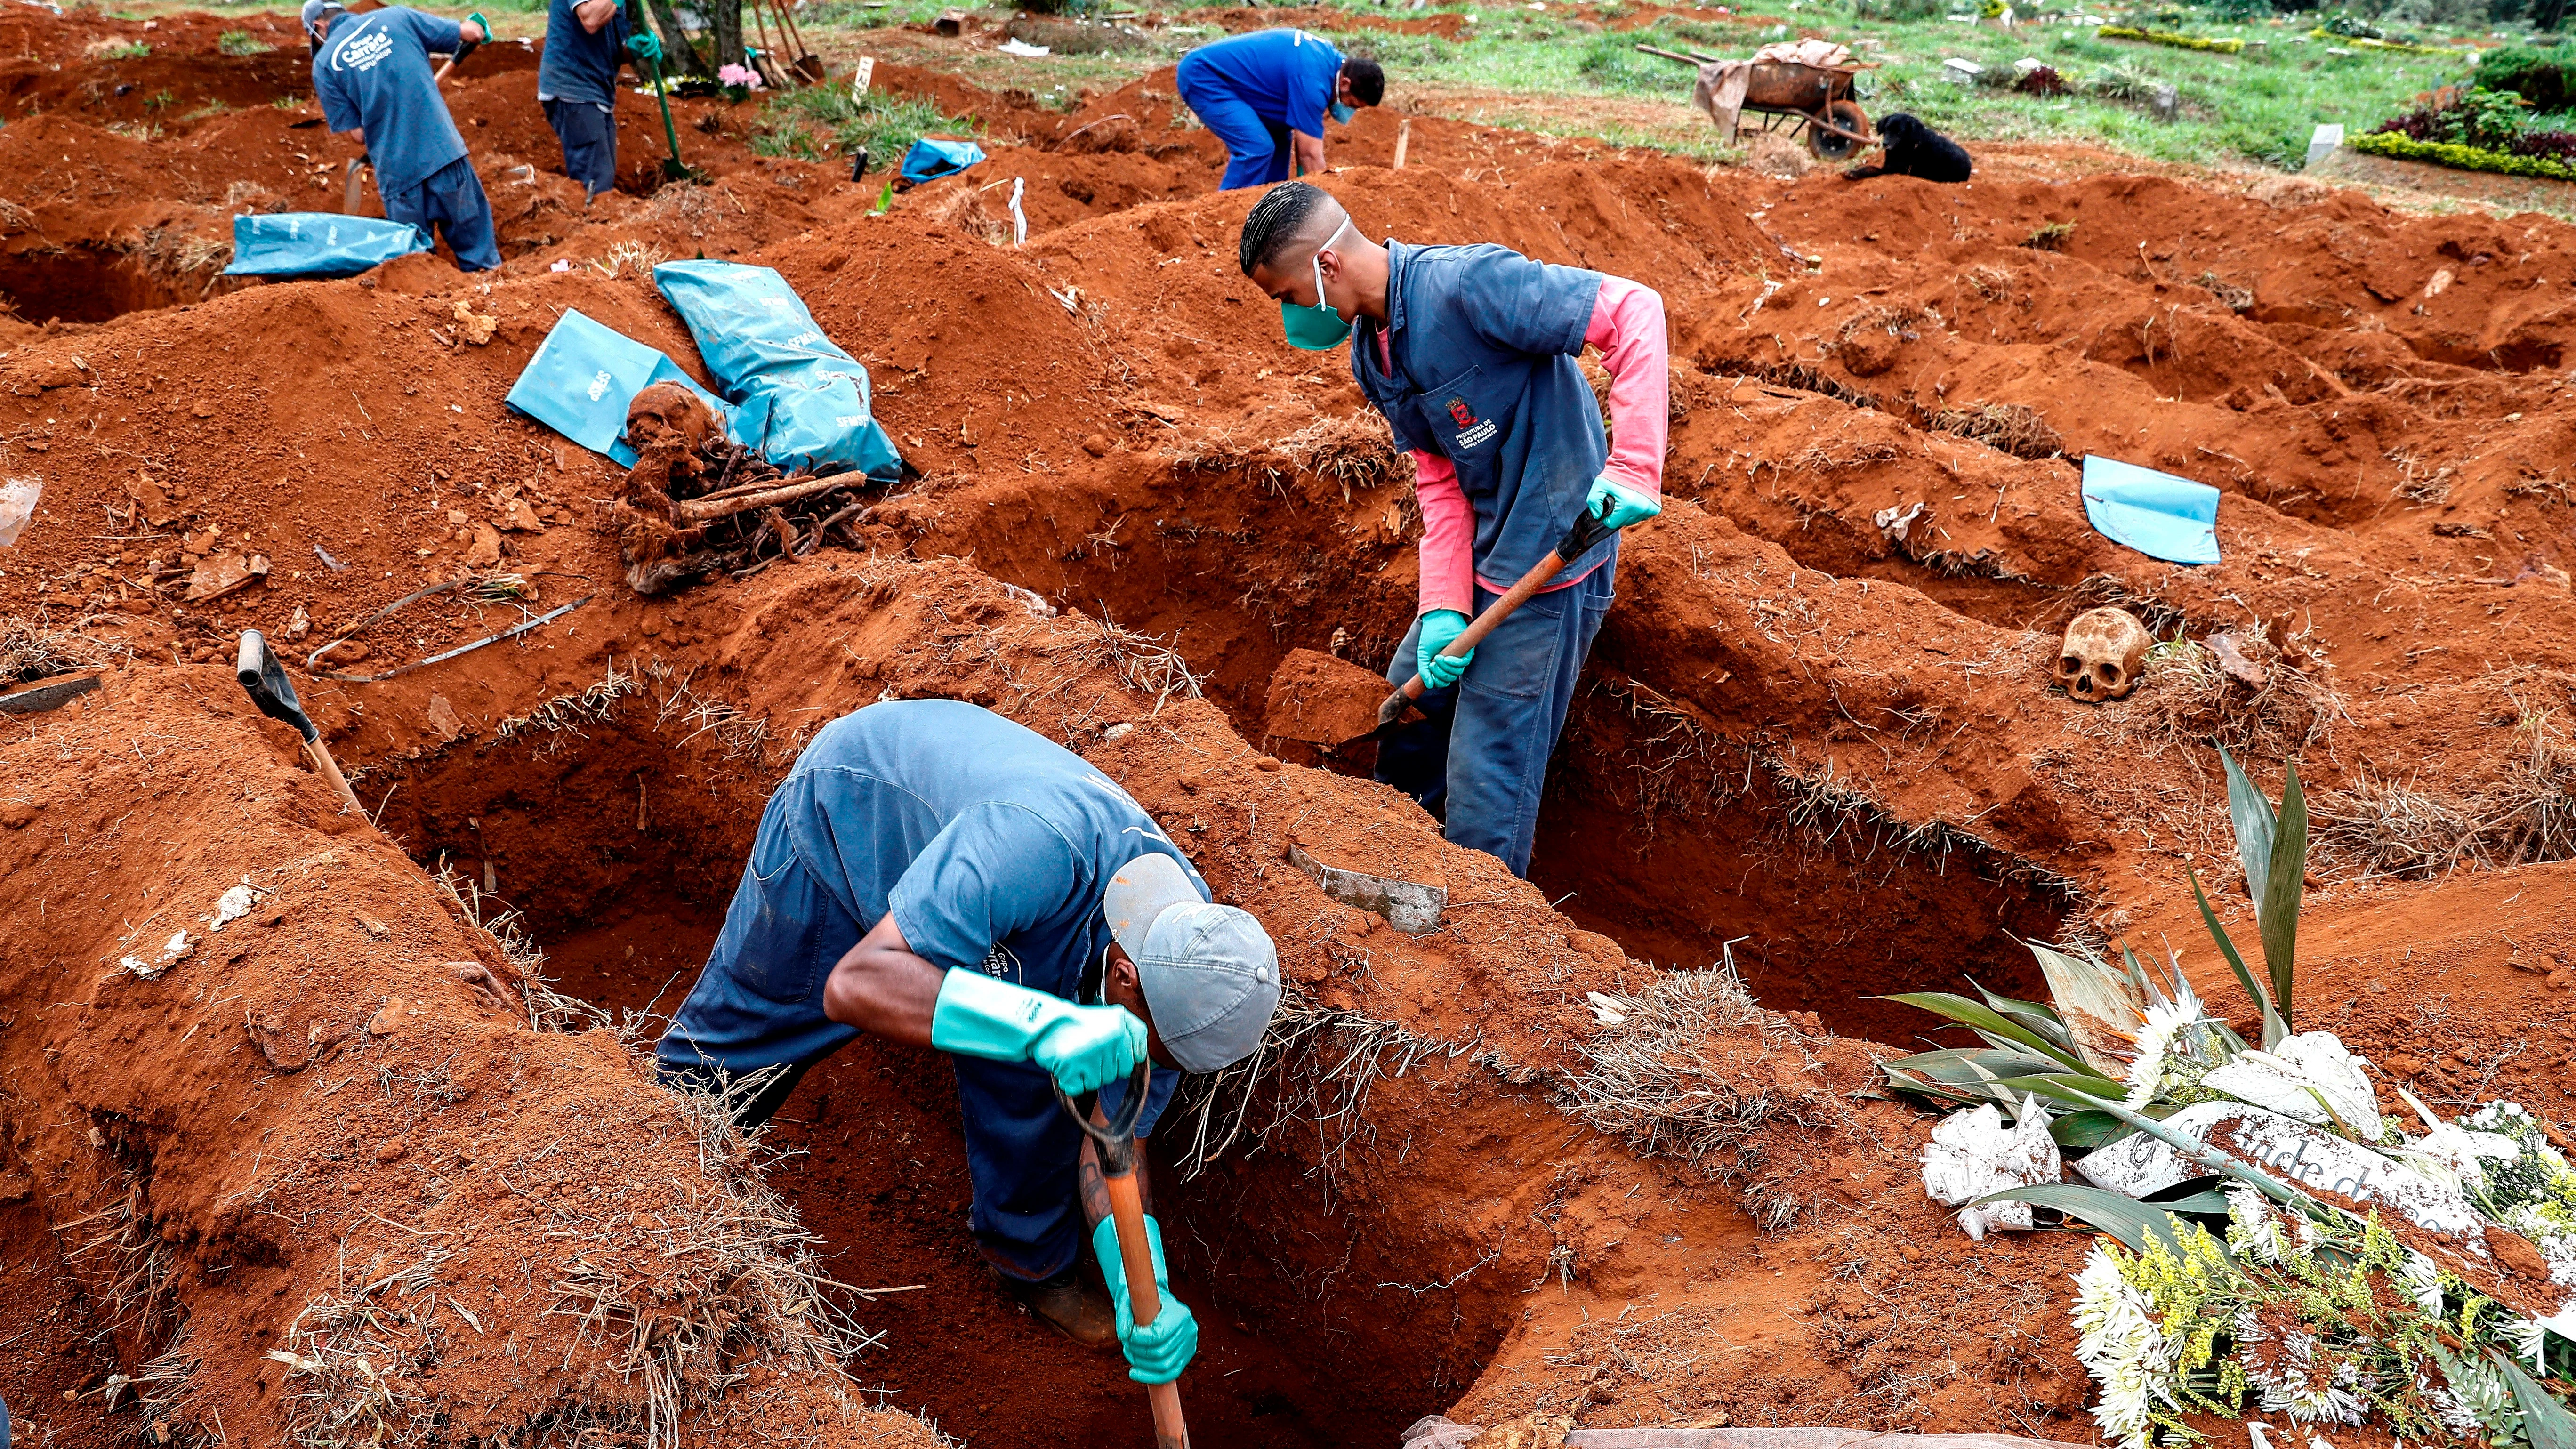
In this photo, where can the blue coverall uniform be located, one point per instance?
(1483, 342)
(1250, 91)
(991, 846)
(373, 72)
(577, 84)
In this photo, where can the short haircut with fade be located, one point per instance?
(1278, 219)
(1368, 81)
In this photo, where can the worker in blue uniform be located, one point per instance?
(372, 75)
(934, 874)
(1265, 95)
(1470, 353)
(577, 83)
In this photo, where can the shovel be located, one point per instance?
(263, 678)
(1117, 1145)
(1580, 538)
(673, 169)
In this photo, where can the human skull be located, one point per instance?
(2103, 652)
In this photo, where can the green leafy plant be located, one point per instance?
(127, 50)
(2542, 77)
(2464, 158)
(806, 123)
(242, 42)
(2050, 236)
(2228, 46)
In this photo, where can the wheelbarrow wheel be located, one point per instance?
(1846, 115)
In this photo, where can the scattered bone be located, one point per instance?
(2238, 665)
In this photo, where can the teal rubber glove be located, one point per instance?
(1618, 505)
(1157, 1352)
(644, 45)
(1439, 627)
(1085, 1047)
(481, 24)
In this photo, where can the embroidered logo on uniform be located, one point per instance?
(363, 52)
(1000, 962)
(1458, 409)
(1470, 431)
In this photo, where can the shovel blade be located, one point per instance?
(1409, 906)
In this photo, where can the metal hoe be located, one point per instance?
(1117, 1145)
(263, 678)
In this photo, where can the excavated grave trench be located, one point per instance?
(83, 282)
(621, 852)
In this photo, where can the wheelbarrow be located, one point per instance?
(1814, 99)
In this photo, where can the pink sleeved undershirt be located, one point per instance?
(1628, 327)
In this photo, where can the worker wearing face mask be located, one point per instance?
(1470, 353)
(1266, 94)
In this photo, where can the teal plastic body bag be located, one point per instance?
(584, 375)
(798, 399)
(929, 159)
(318, 244)
(2157, 514)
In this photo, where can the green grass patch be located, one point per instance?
(822, 120)
(128, 50)
(242, 42)
(2461, 158)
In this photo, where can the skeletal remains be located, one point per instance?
(2103, 652)
(696, 502)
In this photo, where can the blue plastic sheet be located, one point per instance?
(318, 244)
(799, 399)
(584, 375)
(2157, 514)
(929, 159)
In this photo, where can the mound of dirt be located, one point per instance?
(1817, 759)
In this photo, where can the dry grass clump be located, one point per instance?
(2525, 815)
(1792, 374)
(2004, 427)
(1353, 451)
(2184, 696)
(32, 648)
(1690, 1073)
(965, 209)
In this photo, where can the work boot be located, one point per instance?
(1070, 1303)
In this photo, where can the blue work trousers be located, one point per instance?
(452, 202)
(759, 1005)
(1257, 152)
(589, 137)
(1479, 756)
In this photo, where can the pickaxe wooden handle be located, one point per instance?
(1581, 537)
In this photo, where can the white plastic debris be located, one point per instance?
(1607, 1009)
(17, 506)
(1017, 46)
(1973, 1153)
(2139, 1165)
(232, 905)
(2458, 1150)
(2310, 1077)
(171, 950)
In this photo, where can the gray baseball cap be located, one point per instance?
(316, 9)
(1210, 973)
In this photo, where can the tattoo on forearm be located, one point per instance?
(1093, 1187)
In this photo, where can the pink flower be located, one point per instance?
(738, 75)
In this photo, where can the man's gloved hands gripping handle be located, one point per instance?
(1157, 1351)
(1614, 503)
(1085, 1047)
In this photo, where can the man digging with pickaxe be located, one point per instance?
(1470, 353)
(935, 874)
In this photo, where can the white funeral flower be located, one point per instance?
(2293, 1386)
(1973, 1153)
(2252, 1231)
(2423, 1279)
(2122, 1348)
(2310, 1077)
(2158, 1040)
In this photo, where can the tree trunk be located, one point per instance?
(678, 58)
(724, 17)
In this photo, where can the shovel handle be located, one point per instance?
(1581, 537)
(1136, 1260)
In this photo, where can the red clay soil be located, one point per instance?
(1820, 746)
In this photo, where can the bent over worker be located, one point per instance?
(1265, 95)
(1470, 353)
(935, 874)
(371, 73)
(577, 84)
